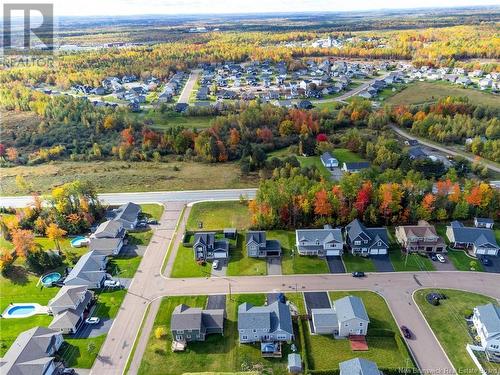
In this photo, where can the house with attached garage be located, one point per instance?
(320, 242)
(486, 320)
(355, 167)
(208, 248)
(329, 161)
(127, 214)
(194, 324)
(420, 238)
(265, 323)
(481, 241)
(347, 317)
(108, 238)
(69, 306)
(482, 222)
(90, 270)
(33, 352)
(359, 366)
(366, 241)
(259, 247)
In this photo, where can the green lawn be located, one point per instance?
(448, 323)
(386, 346)
(217, 354)
(355, 263)
(291, 262)
(186, 266)
(412, 262)
(75, 352)
(109, 302)
(219, 215)
(462, 261)
(152, 210)
(308, 161)
(139, 237)
(124, 266)
(242, 265)
(345, 155)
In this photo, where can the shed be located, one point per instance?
(294, 363)
(230, 233)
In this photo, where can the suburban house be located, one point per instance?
(320, 242)
(265, 323)
(420, 238)
(259, 247)
(347, 317)
(193, 323)
(359, 366)
(128, 215)
(415, 153)
(90, 270)
(486, 319)
(329, 161)
(69, 307)
(207, 248)
(482, 241)
(33, 352)
(364, 241)
(482, 222)
(108, 237)
(355, 167)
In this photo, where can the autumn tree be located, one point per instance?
(55, 234)
(322, 205)
(23, 241)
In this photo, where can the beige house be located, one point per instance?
(420, 238)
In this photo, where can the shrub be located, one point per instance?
(160, 332)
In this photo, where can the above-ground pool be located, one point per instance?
(48, 279)
(79, 241)
(23, 310)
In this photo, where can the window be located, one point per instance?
(361, 324)
(346, 324)
(379, 243)
(357, 242)
(317, 242)
(180, 332)
(254, 330)
(178, 337)
(244, 337)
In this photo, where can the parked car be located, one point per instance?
(68, 371)
(485, 260)
(440, 258)
(434, 298)
(112, 283)
(406, 332)
(433, 257)
(215, 265)
(92, 320)
(153, 221)
(358, 274)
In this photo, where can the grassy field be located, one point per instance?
(242, 265)
(186, 266)
(386, 346)
(163, 121)
(124, 267)
(308, 161)
(291, 262)
(217, 354)
(219, 215)
(430, 92)
(75, 352)
(152, 210)
(120, 176)
(345, 155)
(355, 263)
(448, 323)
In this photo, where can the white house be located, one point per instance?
(486, 319)
(329, 161)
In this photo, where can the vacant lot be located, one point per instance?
(448, 323)
(354, 263)
(219, 215)
(161, 121)
(430, 92)
(119, 176)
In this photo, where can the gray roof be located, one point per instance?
(105, 245)
(473, 235)
(273, 317)
(326, 157)
(324, 318)
(355, 228)
(109, 229)
(258, 236)
(354, 166)
(194, 318)
(28, 354)
(358, 366)
(485, 220)
(416, 152)
(490, 317)
(128, 212)
(294, 361)
(68, 296)
(206, 238)
(88, 268)
(350, 307)
(325, 235)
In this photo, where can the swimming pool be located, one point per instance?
(48, 279)
(79, 241)
(21, 311)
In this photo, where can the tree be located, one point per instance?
(55, 234)
(322, 205)
(160, 332)
(23, 241)
(6, 260)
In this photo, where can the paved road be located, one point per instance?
(446, 150)
(188, 87)
(148, 197)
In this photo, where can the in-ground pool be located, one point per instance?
(79, 241)
(20, 311)
(48, 279)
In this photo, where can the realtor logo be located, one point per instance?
(28, 27)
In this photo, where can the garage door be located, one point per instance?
(331, 253)
(221, 255)
(492, 252)
(374, 251)
(480, 251)
(382, 251)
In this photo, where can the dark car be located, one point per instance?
(434, 257)
(406, 332)
(486, 261)
(434, 298)
(153, 221)
(358, 274)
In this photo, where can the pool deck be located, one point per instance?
(39, 309)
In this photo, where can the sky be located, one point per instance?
(172, 7)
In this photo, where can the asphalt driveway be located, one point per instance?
(382, 263)
(494, 266)
(274, 266)
(447, 266)
(316, 300)
(221, 270)
(216, 302)
(335, 264)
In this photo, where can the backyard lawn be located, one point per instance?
(308, 161)
(81, 353)
(242, 265)
(355, 263)
(217, 354)
(124, 267)
(447, 320)
(152, 210)
(186, 266)
(219, 215)
(345, 155)
(291, 262)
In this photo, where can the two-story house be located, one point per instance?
(127, 215)
(320, 242)
(194, 324)
(265, 323)
(486, 319)
(68, 307)
(481, 241)
(207, 248)
(366, 241)
(90, 270)
(347, 317)
(421, 238)
(259, 247)
(108, 237)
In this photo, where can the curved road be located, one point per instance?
(149, 285)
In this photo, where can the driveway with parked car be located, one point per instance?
(382, 263)
(493, 264)
(441, 262)
(219, 268)
(335, 264)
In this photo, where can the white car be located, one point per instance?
(92, 320)
(440, 258)
(111, 283)
(215, 264)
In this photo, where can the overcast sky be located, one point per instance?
(136, 7)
